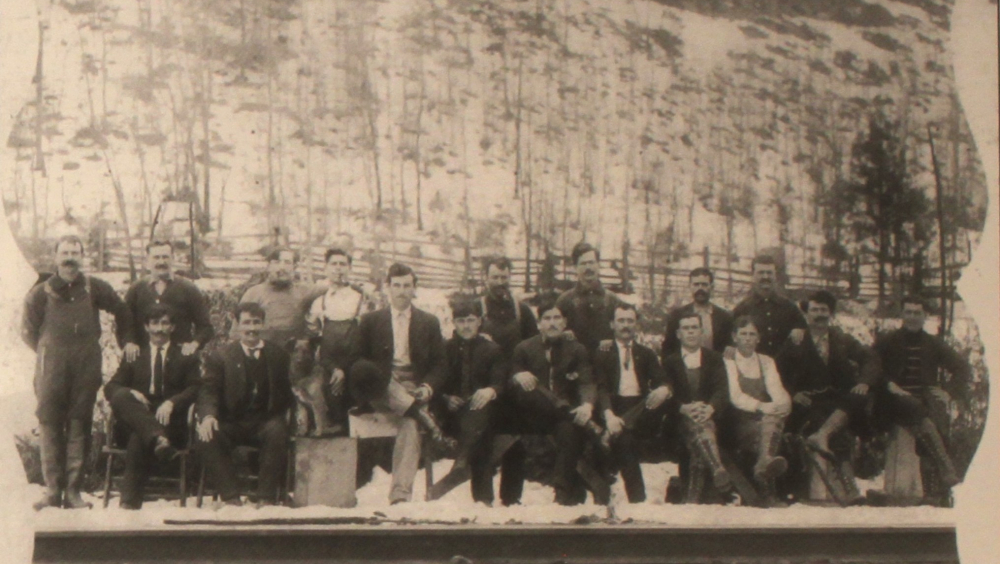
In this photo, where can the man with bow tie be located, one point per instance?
(244, 399)
(554, 393)
(589, 306)
(149, 396)
(632, 391)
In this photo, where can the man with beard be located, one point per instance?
(828, 375)
(716, 322)
(192, 325)
(632, 385)
(150, 397)
(588, 307)
(333, 321)
(476, 376)
(913, 395)
(776, 317)
(244, 400)
(62, 325)
(401, 365)
(505, 319)
(284, 300)
(554, 393)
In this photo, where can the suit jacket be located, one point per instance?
(375, 343)
(713, 384)
(569, 358)
(722, 329)
(851, 363)
(935, 354)
(225, 383)
(608, 366)
(181, 377)
(487, 365)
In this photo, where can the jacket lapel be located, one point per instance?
(236, 379)
(145, 371)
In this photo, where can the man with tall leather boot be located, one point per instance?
(150, 397)
(62, 326)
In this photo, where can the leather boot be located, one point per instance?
(769, 465)
(434, 432)
(820, 440)
(695, 482)
(708, 451)
(76, 452)
(927, 433)
(50, 443)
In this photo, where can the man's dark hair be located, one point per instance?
(911, 299)
(702, 271)
(334, 251)
(689, 315)
(624, 306)
(69, 239)
(824, 297)
(581, 249)
(548, 304)
(157, 311)
(501, 262)
(399, 269)
(464, 307)
(275, 254)
(762, 259)
(744, 321)
(252, 308)
(160, 243)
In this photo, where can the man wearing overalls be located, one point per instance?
(62, 326)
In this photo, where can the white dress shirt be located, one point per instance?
(401, 336)
(339, 303)
(628, 382)
(691, 359)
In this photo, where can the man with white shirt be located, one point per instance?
(631, 394)
(406, 343)
(244, 400)
(697, 377)
(333, 321)
(149, 396)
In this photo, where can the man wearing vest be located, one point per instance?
(716, 322)
(333, 321)
(62, 326)
(244, 400)
(506, 320)
(913, 394)
(192, 325)
(150, 397)
(632, 391)
(697, 376)
(588, 306)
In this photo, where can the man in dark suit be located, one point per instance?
(405, 342)
(554, 393)
(716, 322)
(631, 384)
(776, 317)
(588, 306)
(244, 400)
(466, 400)
(913, 395)
(697, 376)
(150, 396)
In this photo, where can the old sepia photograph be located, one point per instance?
(479, 281)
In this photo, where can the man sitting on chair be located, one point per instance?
(149, 396)
(244, 400)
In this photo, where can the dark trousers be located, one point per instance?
(473, 428)
(139, 425)
(269, 434)
(67, 378)
(625, 452)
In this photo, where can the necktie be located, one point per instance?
(158, 373)
(628, 356)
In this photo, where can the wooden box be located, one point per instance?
(325, 471)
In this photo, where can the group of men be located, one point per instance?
(572, 369)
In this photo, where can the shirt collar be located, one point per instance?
(691, 359)
(58, 283)
(250, 351)
(164, 346)
(584, 289)
(401, 313)
(697, 308)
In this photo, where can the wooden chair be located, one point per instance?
(112, 450)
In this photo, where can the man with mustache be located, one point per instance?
(913, 394)
(243, 400)
(61, 324)
(776, 317)
(716, 322)
(150, 396)
(506, 320)
(192, 325)
(629, 376)
(589, 306)
(284, 300)
(829, 375)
